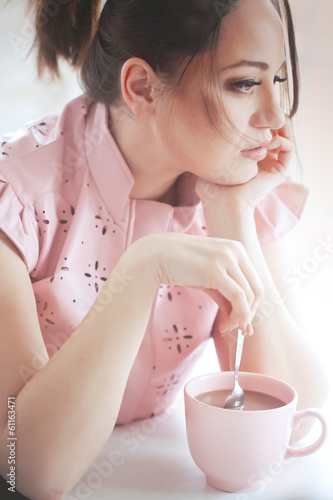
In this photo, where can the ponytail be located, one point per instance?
(64, 28)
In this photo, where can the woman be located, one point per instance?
(142, 220)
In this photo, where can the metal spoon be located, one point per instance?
(235, 399)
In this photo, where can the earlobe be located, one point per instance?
(137, 79)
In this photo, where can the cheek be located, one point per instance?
(190, 139)
(198, 140)
(238, 112)
(188, 129)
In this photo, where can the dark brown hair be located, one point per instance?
(64, 28)
(168, 34)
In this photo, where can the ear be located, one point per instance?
(139, 85)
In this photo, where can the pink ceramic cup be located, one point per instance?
(233, 447)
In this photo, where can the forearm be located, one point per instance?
(278, 347)
(69, 408)
(67, 411)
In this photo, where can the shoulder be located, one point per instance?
(37, 155)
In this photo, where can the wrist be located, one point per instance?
(138, 265)
(230, 223)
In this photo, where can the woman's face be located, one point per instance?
(249, 60)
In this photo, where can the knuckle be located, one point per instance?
(232, 250)
(260, 291)
(236, 246)
(251, 296)
(238, 297)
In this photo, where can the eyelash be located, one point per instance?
(252, 83)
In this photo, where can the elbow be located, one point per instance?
(51, 495)
(38, 476)
(39, 484)
(35, 489)
(47, 495)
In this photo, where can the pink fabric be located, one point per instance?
(65, 204)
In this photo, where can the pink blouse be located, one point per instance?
(64, 202)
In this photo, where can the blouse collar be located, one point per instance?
(115, 181)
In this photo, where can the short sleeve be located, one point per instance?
(17, 221)
(280, 211)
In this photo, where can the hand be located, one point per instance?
(274, 168)
(220, 268)
(271, 172)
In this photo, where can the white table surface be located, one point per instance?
(150, 460)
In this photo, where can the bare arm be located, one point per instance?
(278, 346)
(69, 407)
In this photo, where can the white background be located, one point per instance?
(23, 98)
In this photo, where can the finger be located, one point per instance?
(246, 276)
(221, 301)
(229, 321)
(274, 144)
(227, 325)
(257, 288)
(239, 275)
(287, 130)
(280, 153)
(278, 142)
(285, 152)
(287, 143)
(240, 309)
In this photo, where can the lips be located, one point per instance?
(258, 153)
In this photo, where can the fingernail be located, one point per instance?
(249, 329)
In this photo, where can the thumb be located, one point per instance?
(229, 322)
(221, 301)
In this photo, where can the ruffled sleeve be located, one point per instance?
(280, 211)
(17, 221)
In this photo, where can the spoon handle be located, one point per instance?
(239, 350)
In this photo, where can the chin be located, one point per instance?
(251, 173)
(238, 173)
(243, 179)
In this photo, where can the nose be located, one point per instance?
(269, 113)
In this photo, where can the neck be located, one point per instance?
(153, 179)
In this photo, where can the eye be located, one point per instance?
(278, 79)
(245, 86)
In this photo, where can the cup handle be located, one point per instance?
(306, 450)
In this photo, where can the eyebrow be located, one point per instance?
(255, 64)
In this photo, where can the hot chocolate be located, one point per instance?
(253, 401)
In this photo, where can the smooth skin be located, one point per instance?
(84, 382)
